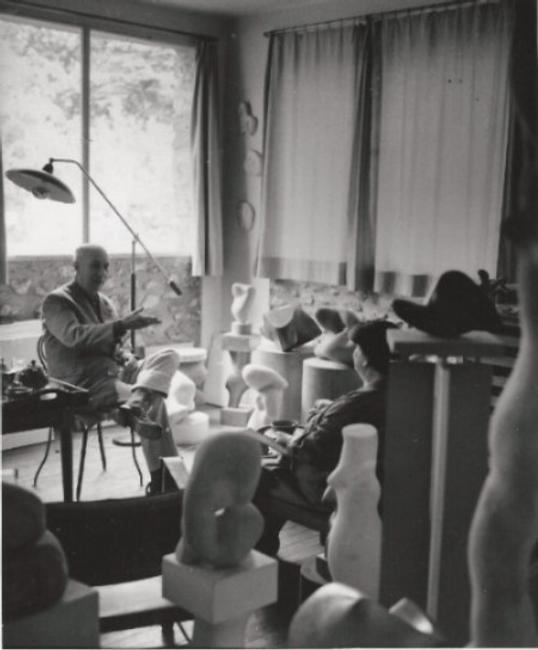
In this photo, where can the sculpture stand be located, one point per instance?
(239, 345)
(435, 462)
(290, 366)
(221, 600)
(324, 379)
(73, 622)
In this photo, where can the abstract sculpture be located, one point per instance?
(337, 616)
(354, 543)
(270, 386)
(220, 524)
(215, 574)
(505, 524)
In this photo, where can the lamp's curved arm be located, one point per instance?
(135, 235)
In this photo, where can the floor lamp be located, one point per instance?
(43, 184)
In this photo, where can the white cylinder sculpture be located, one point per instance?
(354, 543)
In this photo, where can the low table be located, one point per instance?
(49, 407)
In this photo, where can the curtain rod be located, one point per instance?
(452, 4)
(14, 6)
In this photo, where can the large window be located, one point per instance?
(136, 110)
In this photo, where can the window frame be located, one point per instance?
(88, 23)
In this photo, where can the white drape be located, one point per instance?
(206, 156)
(442, 150)
(314, 79)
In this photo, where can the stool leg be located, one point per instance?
(44, 460)
(135, 459)
(101, 445)
(82, 459)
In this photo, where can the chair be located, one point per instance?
(85, 420)
(116, 546)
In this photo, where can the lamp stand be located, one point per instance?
(133, 291)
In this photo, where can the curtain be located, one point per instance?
(442, 149)
(206, 156)
(3, 243)
(521, 180)
(316, 144)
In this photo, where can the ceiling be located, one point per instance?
(236, 7)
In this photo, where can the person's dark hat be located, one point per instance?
(457, 305)
(371, 337)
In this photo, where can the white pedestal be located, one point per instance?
(290, 366)
(235, 417)
(221, 600)
(72, 623)
(324, 379)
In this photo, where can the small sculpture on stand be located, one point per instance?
(214, 573)
(239, 343)
(289, 326)
(243, 295)
(457, 305)
(354, 542)
(270, 387)
(334, 344)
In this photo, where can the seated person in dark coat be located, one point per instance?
(302, 479)
(83, 345)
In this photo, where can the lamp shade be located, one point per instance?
(41, 184)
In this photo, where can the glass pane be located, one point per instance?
(40, 73)
(140, 103)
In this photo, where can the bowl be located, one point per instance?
(286, 426)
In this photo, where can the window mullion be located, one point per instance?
(85, 112)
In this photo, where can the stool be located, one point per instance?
(324, 379)
(290, 366)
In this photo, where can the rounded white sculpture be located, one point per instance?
(354, 543)
(270, 387)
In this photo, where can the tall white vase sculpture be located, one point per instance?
(354, 543)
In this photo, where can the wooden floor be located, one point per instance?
(266, 629)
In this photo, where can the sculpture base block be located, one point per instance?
(241, 328)
(72, 623)
(238, 342)
(219, 595)
(235, 417)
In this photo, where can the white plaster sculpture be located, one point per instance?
(504, 530)
(270, 386)
(220, 524)
(215, 574)
(354, 542)
(334, 344)
(338, 616)
(289, 326)
(243, 296)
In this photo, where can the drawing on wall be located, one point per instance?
(247, 122)
(245, 215)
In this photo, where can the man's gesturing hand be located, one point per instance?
(137, 321)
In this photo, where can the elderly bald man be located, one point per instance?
(83, 343)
